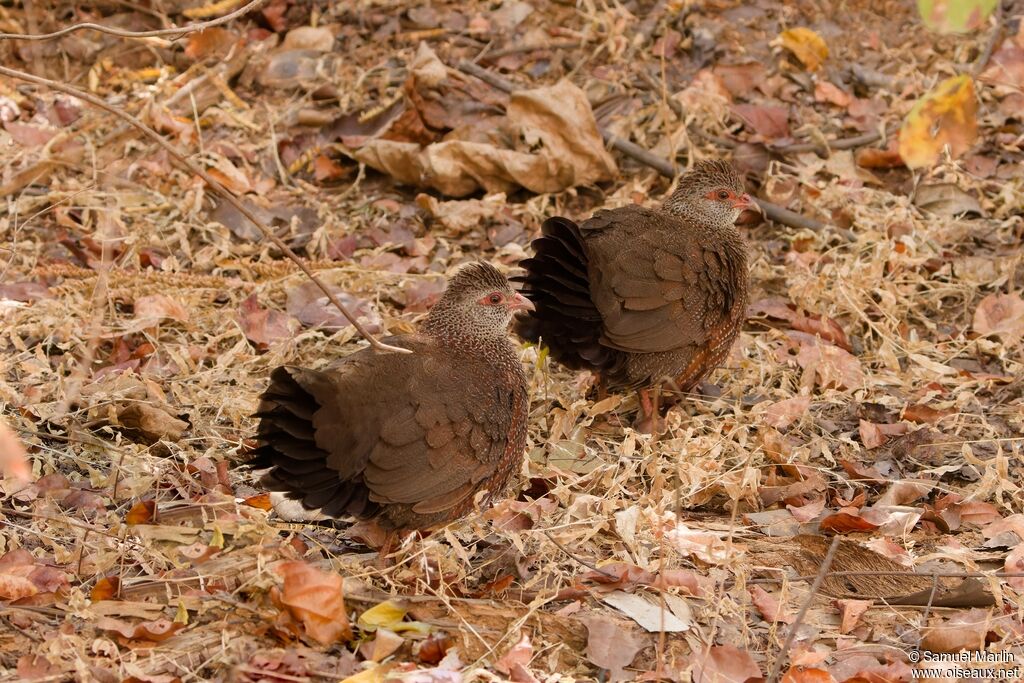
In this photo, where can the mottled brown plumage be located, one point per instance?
(406, 440)
(640, 295)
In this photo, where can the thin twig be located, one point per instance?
(177, 32)
(665, 167)
(216, 186)
(580, 560)
(990, 44)
(781, 657)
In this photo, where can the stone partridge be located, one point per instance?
(644, 296)
(405, 440)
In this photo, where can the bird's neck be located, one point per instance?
(452, 327)
(712, 222)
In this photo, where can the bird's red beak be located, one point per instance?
(744, 202)
(520, 303)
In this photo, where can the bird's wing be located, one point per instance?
(658, 285)
(448, 428)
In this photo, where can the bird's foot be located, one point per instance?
(650, 424)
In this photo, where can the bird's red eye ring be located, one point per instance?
(494, 298)
(723, 194)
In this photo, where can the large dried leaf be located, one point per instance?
(567, 151)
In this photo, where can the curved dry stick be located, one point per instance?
(220, 189)
(191, 28)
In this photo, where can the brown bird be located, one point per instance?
(644, 296)
(406, 440)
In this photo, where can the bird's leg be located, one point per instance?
(649, 421)
(602, 388)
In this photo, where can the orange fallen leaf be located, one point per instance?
(851, 611)
(946, 116)
(846, 522)
(806, 45)
(143, 512)
(801, 675)
(315, 598)
(106, 588)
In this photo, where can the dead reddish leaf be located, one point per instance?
(768, 606)
(1001, 315)
(808, 512)
(517, 657)
(26, 292)
(211, 42)
(155, 631)
(826, 91)
(519, 515)
(28, 135)
(263, 327)
(260, 500)
(846, 522)
(783, 413)
(870, 157)
(106, 588)
(156, 307)
(314, 598)
(873, 435)
(143, 512)
(769, 122)
(16, 587)
(921, 413)
(611, 643)
(14, 462)
(327, 170)
(1006, 66)
(962, 631)
(904, 493)
(740, 79)
(681, 578)
(151, 422)
(619, 576)
(851, 611)
(725, 663)
(833, 366)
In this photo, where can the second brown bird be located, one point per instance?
(644, 296)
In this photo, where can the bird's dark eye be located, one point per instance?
(494, 298)
(722, 194)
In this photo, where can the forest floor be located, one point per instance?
(875, 394)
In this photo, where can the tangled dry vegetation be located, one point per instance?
(875, 394)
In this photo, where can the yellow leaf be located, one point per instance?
(181, 616)
(945, 116)
(386, 614)
(389, 614)
(218, 538)
(806, 45)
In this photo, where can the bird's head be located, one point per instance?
(479, 302)
(711, 192)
